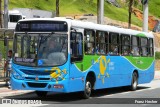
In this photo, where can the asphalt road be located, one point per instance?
(147, 95)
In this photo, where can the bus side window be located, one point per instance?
(125, 44)
(113, 46)
(135, 46)
(89, 39)
(144, 46)
(151, 47)
(101, 42)
(76, 46)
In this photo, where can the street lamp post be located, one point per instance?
(5, 13)
(145, 15)
(100, 11)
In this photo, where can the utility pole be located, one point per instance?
(145, 15)
(100, 11)
(5, 13)
(57, 8)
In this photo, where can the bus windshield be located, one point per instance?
(40, 49)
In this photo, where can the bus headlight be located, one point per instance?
(16, 75)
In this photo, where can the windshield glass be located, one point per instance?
(40, 49)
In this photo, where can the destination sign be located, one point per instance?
(41, 26)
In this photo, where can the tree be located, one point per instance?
(0, 13)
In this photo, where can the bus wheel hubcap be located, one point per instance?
(88, 87)
(135, 81)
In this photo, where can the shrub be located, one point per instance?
(157, 55)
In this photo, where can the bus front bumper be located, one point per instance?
(58, 86)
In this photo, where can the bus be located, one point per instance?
(85, 56)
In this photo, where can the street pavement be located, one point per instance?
(5, 91)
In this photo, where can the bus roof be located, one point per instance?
(108, 28)
(46, 19)
(91, 25)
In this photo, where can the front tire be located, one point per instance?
(87, 90)
(134, 81)
(41, 93)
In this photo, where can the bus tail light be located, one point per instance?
(58, 86)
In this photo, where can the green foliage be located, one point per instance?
(153, 7)
(157, 55)
(80, 7)
(3, 48)
(77, 7)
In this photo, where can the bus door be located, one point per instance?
(76, 57)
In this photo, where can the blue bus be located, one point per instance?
(64, 55)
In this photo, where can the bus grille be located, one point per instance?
(33, 78)
(35, 72)
(37, 85)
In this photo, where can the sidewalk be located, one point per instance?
(4, 91)
(157, 75)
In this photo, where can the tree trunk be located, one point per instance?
(1, 13)
(130, 13)
(57, 8)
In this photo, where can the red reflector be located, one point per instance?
(58, 86)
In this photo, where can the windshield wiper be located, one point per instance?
(44, 38)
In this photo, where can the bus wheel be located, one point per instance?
(87, 90)
(134, 82)
(41, 93)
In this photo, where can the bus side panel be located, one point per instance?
(146, 76)
(118, 73)
(111, 71)
(76, 79)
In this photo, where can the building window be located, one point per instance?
(15, 18)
